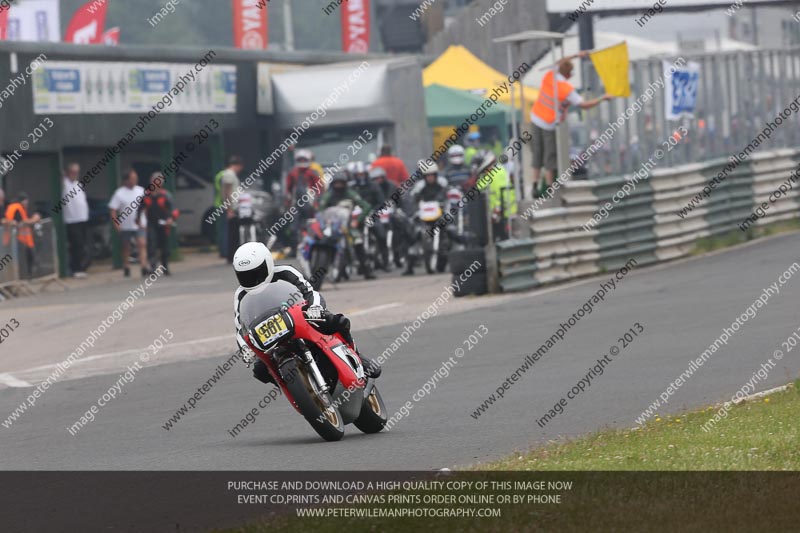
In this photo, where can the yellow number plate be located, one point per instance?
(271, 329)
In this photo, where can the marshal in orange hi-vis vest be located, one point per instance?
(17, 212)
(545, 106)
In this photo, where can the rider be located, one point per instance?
(255, 270)
(365, 188)
(432, 188)
(300, 179)
(340, 191)
(457, 171)
(378, 176)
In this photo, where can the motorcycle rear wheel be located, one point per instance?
(373, 416)
(315, 405)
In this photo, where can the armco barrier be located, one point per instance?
(645, 224)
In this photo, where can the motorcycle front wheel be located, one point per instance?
(315, 405)
(373, 416)
(321, 259)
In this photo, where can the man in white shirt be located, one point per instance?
(127, 220)
(76, 218)
(229, 182)
(548, 112)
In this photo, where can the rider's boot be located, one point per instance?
(366, 269)
(261, 373)
(409, 271)
(342, 325)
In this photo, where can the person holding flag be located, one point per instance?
(548, 112)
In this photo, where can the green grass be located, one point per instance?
(758, 435)
(734, 237)
(762, 434)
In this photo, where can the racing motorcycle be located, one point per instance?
(320, 374)
(379, 250)
(325, 246)
(434, 243)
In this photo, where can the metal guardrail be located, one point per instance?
(22, 268)
(645, 225)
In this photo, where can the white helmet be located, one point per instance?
(254, 265)
(302, 158)
(426, 168)
(455, 154)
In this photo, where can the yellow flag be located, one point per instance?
(612, 65)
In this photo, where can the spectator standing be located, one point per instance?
(396, 170)
(547, 112)
(76, 220)
(159, 211)
(125, 217)
(226, 182)
(17, 215)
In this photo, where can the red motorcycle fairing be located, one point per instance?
(345, 360)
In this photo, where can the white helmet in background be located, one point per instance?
(253, 265)
(455, 155)
(302, 158)
(426, 168)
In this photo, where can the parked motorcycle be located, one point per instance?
(321, 375)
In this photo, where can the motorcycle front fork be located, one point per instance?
(308, 359)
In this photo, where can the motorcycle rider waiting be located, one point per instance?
(300, 179)
(432, 188)
(340, 191)
(374, 196)
(255, 269)
(366, 189)
(457, 171)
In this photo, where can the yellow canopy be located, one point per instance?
(458, 68)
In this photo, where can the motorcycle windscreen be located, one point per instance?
(256, 305)
(335, 215)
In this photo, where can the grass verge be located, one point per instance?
(761, 434)
(734, 237)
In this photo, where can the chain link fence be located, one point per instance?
(22, 265)
(736, 93)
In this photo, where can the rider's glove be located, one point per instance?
(248, 355)
(314, 312)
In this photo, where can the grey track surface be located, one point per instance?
(683, 307)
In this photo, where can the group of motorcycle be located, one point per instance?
(342, 240)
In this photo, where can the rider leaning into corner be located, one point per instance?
(255, 270)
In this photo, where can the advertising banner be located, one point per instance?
(115, 87)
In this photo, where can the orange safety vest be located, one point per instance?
(545, 105)
(24, 231)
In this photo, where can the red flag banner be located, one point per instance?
(355, 26)
(111, 37)
(4, 22)
(86, 26)
(250, 24)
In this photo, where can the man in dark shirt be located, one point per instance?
(158, 207)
